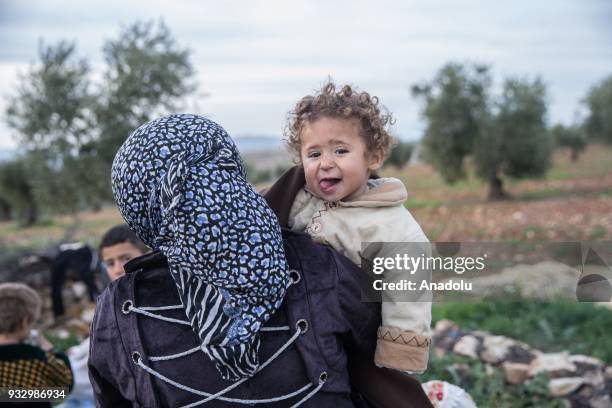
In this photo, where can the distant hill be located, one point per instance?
(263, 151)
(257, 143)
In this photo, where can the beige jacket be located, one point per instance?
(378, 215)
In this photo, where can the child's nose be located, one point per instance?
(327, 162)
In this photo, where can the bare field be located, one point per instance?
(574, 202)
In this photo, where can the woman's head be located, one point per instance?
(180, 185)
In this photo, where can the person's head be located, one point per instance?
(119, 245)
(19, 308)
(180, 185)
(339, 137)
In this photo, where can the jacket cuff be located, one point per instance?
(402, 350)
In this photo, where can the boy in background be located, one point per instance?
(118, 246)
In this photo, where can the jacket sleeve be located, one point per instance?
(380, 387)
(103, 355)
(404, 337)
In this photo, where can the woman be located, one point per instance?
(241, 318)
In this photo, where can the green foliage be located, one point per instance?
(522, 145)
(570, 137)
(17, 189)
(598, 124)
(455, 104)
(50, 108)
(489, 389)
(505, 136)
(51, 113)
(400, 154)
(146, 73)
(71, 129)
(62, 343)
(555, 325)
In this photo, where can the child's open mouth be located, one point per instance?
(327, 184)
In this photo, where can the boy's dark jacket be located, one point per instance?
(327, 296)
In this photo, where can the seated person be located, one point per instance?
(23, 365)
(76, 261)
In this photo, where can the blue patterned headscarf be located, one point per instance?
(180, 185)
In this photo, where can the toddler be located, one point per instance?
(340, 138)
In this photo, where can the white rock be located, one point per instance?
(594, 377)
(495, 348)
(466, 346)
(582, 359)
(444, 325)
(515, 373)
(554, 364)
(559, 387)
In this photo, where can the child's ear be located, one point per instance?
(376, 159)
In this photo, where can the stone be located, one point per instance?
(520, 353)
(594, 377)
(554, 364)
(608, 374)
(586, 392)
(467, 346)
(495, 348)
(588, 361)
(444, 325)
(560, 387)
(515, 373)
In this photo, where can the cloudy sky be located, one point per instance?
(254, 58)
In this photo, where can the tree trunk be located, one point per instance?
(574, 155)
(496, 189)
(5, 210)
(31, 216)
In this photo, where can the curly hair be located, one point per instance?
(347, 103)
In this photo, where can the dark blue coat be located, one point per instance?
(326, 296)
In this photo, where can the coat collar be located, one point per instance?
(147, 261)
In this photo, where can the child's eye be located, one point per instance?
(341, 150)
(312, 155)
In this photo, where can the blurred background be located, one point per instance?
(503, 121)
